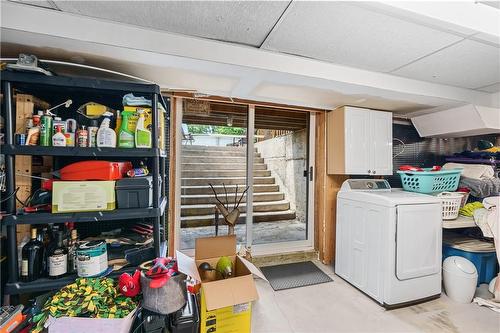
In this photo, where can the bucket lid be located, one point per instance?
(459, 264)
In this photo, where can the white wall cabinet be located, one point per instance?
(359, 142)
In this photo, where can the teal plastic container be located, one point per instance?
(430, 181)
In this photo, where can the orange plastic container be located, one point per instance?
(95, 170)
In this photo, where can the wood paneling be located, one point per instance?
(326, 189)
(319, 181)
(335, 141)
(241, 101)
(24, 110)
(266, 117)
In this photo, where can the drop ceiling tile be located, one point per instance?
(233, 21)
(38, 3)
(350, 35)
(468, 64)
(487, 38)
(491, 88)
(495, 4)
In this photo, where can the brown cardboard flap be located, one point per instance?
(228, 292)
(252, 268)
(214, 247)
(187, 265)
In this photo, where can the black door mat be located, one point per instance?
(294, 275)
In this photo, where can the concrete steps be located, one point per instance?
(198, 199)
(206, 209)
(191, 190)
(222, 173)
(200, 181)
(202, 165)
(186, 148)
(216, 159)
(220, 166)
(217, 153)
(208, 220)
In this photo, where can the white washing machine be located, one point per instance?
(388, 242)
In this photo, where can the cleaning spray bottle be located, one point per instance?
(106, 137)
(142, 134)
(125, 136)
(58, 139)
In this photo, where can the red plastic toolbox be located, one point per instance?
(95, 170)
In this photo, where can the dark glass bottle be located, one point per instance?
(72, 245)
(32, 259)
(58, 257)
(45, 239)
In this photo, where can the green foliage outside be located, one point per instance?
(208, 129)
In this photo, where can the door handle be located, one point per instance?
(309, 173)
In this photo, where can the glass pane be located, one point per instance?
(280, 189)
(213, 152)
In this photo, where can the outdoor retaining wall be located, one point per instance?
(286, 157)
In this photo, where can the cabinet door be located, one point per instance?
(357, 132)
(380, 143)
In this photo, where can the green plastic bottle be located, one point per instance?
(125, 136)
(142, 134)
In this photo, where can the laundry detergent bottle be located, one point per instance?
(106, 136)
(125, 136)
(142, 134)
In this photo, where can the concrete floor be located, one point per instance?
(338, 307)
(263, 232)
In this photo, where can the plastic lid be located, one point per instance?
(459, 265)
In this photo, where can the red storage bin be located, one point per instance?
(95, 170)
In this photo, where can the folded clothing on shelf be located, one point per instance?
(481, 188)
(473, 171)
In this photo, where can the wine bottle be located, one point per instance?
(32, 259)
(72, 244)
(58, 257)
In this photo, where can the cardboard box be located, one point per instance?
(84, 196)
(226, 305)
(94, 325)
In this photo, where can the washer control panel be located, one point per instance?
(366, 185)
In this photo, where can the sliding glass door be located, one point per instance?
(280, 205)
(252, 163)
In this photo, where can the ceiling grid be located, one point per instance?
(364, 35)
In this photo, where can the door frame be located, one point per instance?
(175, 175)
(308, 243)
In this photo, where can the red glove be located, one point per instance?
(130, 286)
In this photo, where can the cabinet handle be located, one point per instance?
(369, 171)
(374, 172)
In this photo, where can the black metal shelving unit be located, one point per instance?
(81, 90)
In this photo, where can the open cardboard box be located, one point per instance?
(94, 325)
(225, 303)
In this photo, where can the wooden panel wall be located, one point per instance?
(24, 110)
(326, 188)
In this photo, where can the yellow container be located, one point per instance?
(231, 319)
(133, 116)
(84, 196)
